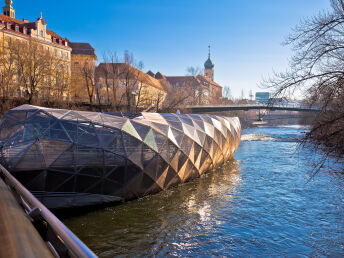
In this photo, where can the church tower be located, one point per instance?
(209, 67)
(8, 10)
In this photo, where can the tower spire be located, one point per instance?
(8, 10)
(209, 67)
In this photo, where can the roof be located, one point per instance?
(209, 64)
(9, 19)
(205, 79)
(29, 25)
(200, 79)
(126, 69)
(159, 76)
(53, 34)
(150, 73)
(181, 79)
(82, 49)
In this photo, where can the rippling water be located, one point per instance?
(262, 203)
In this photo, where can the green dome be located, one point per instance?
(209, 64)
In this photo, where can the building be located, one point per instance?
(83, 68)
(194, 89)
(125, 86)
(209, 67)
(32, 36)
(263, 97)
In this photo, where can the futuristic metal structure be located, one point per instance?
(76, 158)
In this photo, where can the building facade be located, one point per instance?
(49, 52)
(125, 86)
(199, 89)
(83, 69)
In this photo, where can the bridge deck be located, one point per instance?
(219, 108)
(18, 236)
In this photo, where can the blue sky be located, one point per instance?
(170, 35)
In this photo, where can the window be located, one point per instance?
(55, 52)
(41, 33)
(48, 48)
(17, 28)
(8, 26)
(123, 84)
(61, 54)
(67, 55)
(25, 30)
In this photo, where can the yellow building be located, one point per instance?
(35, 35)
(128, 88)
(83, 68)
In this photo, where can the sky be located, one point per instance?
(246, 36)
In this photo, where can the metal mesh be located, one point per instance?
(112, 154)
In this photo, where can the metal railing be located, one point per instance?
(60, 240)
(270, 105)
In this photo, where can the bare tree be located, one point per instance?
(317, 70)
(227, 92)
(9, 59)
(88, 72)
(194, 70)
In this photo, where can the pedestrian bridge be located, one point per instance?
(246, 107)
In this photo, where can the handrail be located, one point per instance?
(32, 205)
(270, 105)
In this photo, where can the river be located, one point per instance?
(262, 203)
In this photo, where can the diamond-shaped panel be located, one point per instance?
(64, 152)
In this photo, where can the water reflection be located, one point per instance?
(175, 219)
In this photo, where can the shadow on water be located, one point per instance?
(153, 224)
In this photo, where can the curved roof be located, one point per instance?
(209, 64)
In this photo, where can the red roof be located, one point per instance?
(29, 25)
(53, 34)
(205, 79)
(9, 19)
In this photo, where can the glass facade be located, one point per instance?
(75, 158)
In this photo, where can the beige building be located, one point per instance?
(26, 33)
(83, 69)
(123, 85)
(13, 29)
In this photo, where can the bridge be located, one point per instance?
(246, 107)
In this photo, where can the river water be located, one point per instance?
(262, 203)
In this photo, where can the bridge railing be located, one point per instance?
(60, 240)
(262, 105)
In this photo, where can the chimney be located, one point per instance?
(26, 20)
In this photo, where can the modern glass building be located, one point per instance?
(75, 158)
